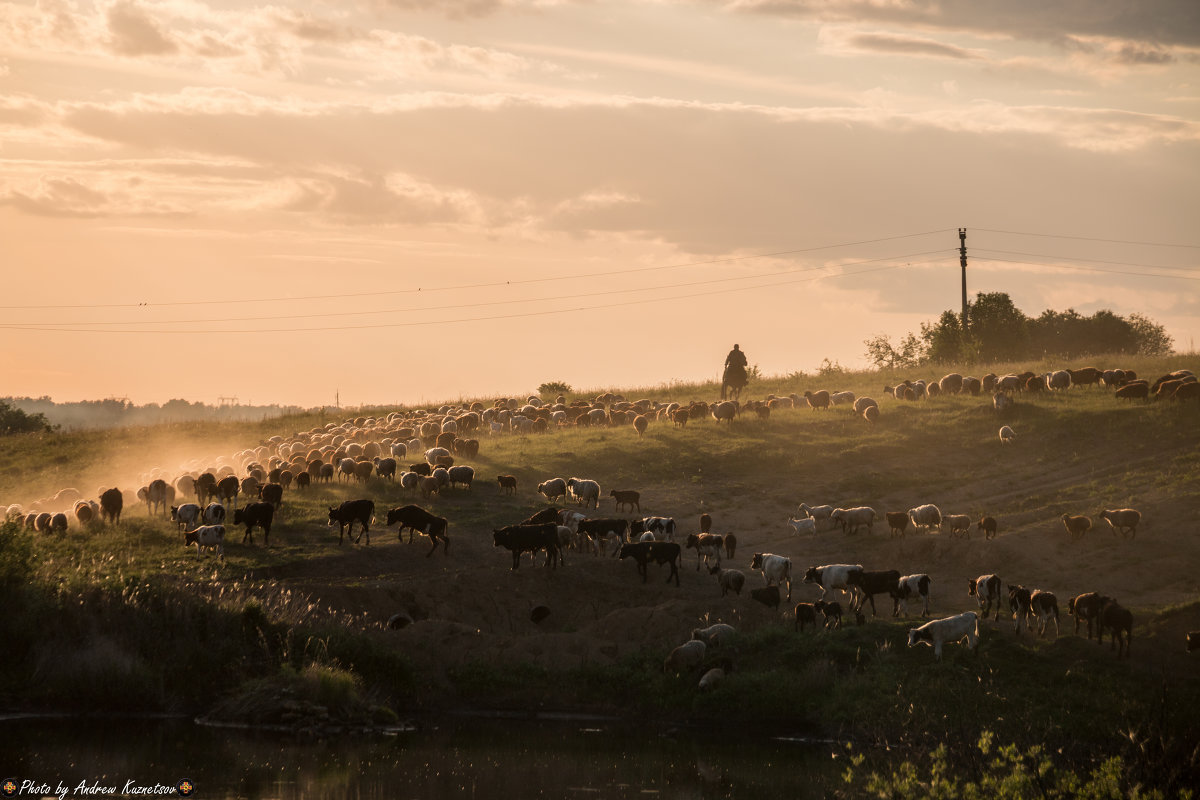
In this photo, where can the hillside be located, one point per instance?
(151, 617)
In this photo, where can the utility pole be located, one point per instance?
(962, 260)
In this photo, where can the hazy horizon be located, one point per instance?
(399, 201)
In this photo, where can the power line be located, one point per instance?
(518, 315)
(1093, 260)
(1090, 269)
(485, 303)
(1089, 238)
(573, 276)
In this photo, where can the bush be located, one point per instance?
(555, 387)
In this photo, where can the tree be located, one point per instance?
(14, 420)
(998, 329)
(555, 387)
(943, 341)
(1150, 338)
(882, 353)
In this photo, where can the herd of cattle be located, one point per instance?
(357, 450)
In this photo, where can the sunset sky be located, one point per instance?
(405, 201)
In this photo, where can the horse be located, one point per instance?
(733, 381)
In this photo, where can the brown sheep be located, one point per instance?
(627, 497)
(1139, 390)
(988, 526)
(897, 521)
(1076, 526)
(871, 414)
(640, 423)
(817, 399)
(680, 417)
(1118, 621)
(430, 485)
(1187, 391)
(730, 545)
(507, 482)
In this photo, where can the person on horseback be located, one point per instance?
(735, 371)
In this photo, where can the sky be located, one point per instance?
(408, 201)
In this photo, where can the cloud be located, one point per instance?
(891, 44)
(68, 197)
(134, 33)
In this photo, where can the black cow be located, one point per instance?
(349, 512)
(521, 538)
(111, 503)
(869, 583)
(255, 515)
(418, 520)
(272, 493)
(1086, 608)
(659, 526)
(227, 489)
(545, 515)
(205, 487)
(660, 552)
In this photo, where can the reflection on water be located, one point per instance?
(446, 758)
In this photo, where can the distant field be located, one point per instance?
(161, 629)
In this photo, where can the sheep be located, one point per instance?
(730, 580)
(1076, 526)
(507, 483)
(871, 414)
(553, 489)
(1001, 401)
(1136, 390)
(627, 497)
(685, 658)
(710, 679)
(1007, 434)
(851, 519)
(842, 398)
(1119, 623)
(714, 635)
(958, 524)
(726, 410)
(926, 516)
(1122, 520)
(58, 523)
(863, 403)
(1059, 379)
(821, 514)
(585, 491)
(640, 423)
(461, 474)
(819, 399)
(802, 526)
(429, 485)
(897, 521)
(988, 526)
(951, 384)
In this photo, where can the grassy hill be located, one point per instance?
(127, 618)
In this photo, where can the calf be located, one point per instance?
(349, 512)
(660, 552)
(627, 498)
(662, 528)
(255, 515)
(213, 514)
(833, 576)
(805, 615)
(207, 536)
(706, 545)
(868, 583)
(775, 569)
(911, 586)
(832, 611)
(1086, 608)
(521, 538)
(950, 629)
(1118, 621)
(418, 520)
(986, 588)
(1044, 606)
(186, 515)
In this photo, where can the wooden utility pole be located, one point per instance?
(962, 260)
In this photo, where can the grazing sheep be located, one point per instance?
(842, 398)
(58, 523)
(1135, 390)
(730, 580)
(988, 526)
(553, 489)
(958, 524)
(1076, 526)
(951, 384)
(507, 483)
(714, 635)
(461, 474)
(685, 658)
(871, 414)
(1007, 434)
(726, 410)
(1001, 401)
(640, 423)
(1122, 520)
(710, 679)
(863, 403)
(429, 485)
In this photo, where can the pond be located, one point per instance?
(456, 757)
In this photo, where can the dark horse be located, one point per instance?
(733, 381)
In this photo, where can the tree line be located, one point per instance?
(999, 331)
(28, 414)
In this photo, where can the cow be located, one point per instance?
(111, 502)
(156, 496)
(805, 615)
(706, 545)
(775, 569)
(360, 511)
(207, 536)
(627, 497)
(213, 514)
(868, 583)
(986, 588)
(227, 490)
(911, 586)
(271, 493)
(1086, 608)
(834, 576)
(1119, 623)
(950, 629)
(521, 538)
(186, 515)
(205, 487)
(661, 528)
(660, 552)
(418, 520)
(255, 515)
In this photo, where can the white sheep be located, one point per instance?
(925, 516)
(1122, 520)
(802, 526)
(585, 491)
(863, 403)
(730, 580)
(688, 656)
(851, 519)
(842, 398)
(1007, 434)
(819, 513)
